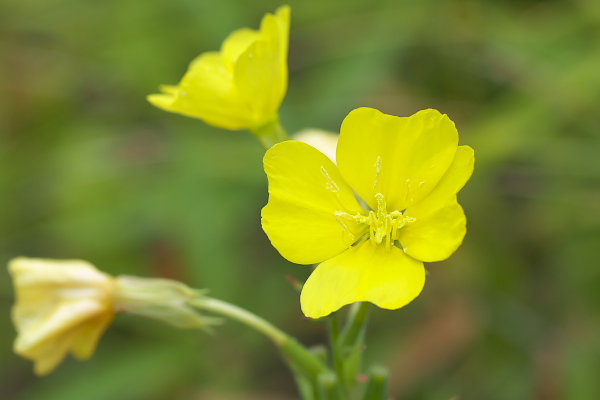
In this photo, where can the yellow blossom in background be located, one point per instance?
(240, 87)
(408, 170)
(61, 307)
(64, 306)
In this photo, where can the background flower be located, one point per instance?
(240, 87)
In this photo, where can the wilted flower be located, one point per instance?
(64, 306)
(61, 307)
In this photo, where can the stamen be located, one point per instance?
(344, 226)
(373, 227)
(331, 185)
(381, 223)
(377, 171)
(408, 196)
(381, 207)
(389, 223)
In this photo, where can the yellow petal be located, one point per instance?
(401, 157)
(261, 70)
(47, 358)
(236, 43)
(207, 91)
(434, 236)
(305, 191)
(282, 15)
(88, 336)
(66, 316)
(388, 278)
(453, 180)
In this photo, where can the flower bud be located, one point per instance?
(161, 299)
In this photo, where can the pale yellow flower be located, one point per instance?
(61, 307)
(240, 87)
(64, 306)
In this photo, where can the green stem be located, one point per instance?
(246, 317)
(300, 359)
(270, 134)
(333, 328)
(347, 351)
(377, 389)
(355, 326)
(328, 388)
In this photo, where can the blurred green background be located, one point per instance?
(88, 169)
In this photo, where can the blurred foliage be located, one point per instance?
(90, 170)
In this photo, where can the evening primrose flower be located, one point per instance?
(407, 170)
(240, 87)
(64, 306)
(61, 307)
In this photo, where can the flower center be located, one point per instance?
(382, 224)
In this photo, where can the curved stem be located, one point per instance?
(299, 358)
(355, 326)
(241, 315)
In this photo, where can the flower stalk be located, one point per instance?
(270, 134)
(306, 365)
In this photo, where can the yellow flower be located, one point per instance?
(240, 87)
(64, 306)
(407, 171)
(61, 307)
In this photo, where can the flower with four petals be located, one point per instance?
(406, 171)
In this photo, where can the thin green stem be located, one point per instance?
(355, 326)
(300, 359)
(246, 317)
(377, 389)
(333, 329)
(347, 349)
(270, 134)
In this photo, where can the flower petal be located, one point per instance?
(434, 236)
(388, 278)
(88, 336)
(207, 92)
(260, 72)
(66, 316)
(453, 180)
(47, 358)
(401, 157)
(236, 43)
(305, 191)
